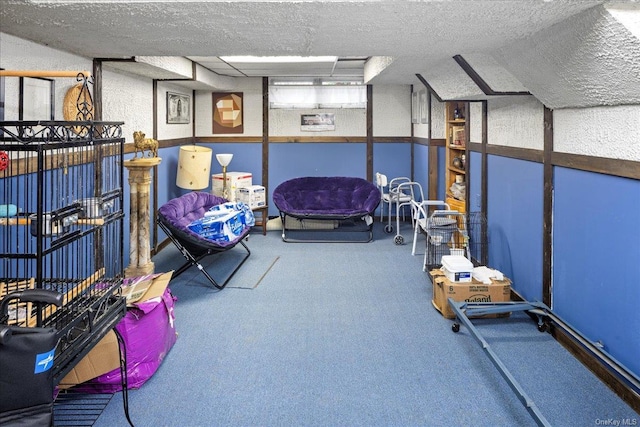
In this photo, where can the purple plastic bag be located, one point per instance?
(149, 333)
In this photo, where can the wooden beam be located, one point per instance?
(265, 137)
(369, 133)
(43, 73)
(615, 167)
(482, 84)
(429, 88)
(484, 182)
(516, 153)
(547, 208)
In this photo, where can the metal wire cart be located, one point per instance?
(451, 232)
(61, 228)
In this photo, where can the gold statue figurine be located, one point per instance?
(141, 144)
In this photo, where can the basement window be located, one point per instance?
(307, 95)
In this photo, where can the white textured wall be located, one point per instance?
(474, 119)
(420, 130)
(391, 116)
(173, 64)
(437, 119)
(588, 60)
(515, 121)
(611, 132)
(391, 110)
(498, 79)
(251, 89)
(19, 54)
(349, 122)
(450, 81)
(128, 98)
(173, 130)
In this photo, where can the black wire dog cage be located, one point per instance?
(455, 233)
(61, 229)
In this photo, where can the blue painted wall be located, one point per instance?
(247, 157)
(421, 167)
(474, 184)
(392, 159)
(596, 259)
(514, 214)
(442, 167)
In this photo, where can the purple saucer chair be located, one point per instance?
(174, 218)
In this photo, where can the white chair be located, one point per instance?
(420, 214)
(389, 195)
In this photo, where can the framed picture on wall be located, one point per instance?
(36, 99)
(228, 114)
(317, 122)
(178, 108)
(415, 108)
(422, 99)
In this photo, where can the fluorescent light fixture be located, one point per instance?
(319, 81)
(278, 59)
(293, 83)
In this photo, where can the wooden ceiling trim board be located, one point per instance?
(429, 88)
(482, 84)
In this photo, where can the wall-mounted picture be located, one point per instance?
(37, 99)
(415, 108)
(424, 118)
(228, 113)
(317, 122)
(178, 108)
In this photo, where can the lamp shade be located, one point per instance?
(194, 166)
(224, 159)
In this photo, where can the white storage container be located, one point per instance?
(253, 196)
(457, 268)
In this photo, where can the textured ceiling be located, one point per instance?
(411, 36)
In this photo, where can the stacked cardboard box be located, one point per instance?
(474, 291)
(235, 180)
(253, 196)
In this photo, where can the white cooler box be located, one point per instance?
(253, 196)
(457, 268)
(235, 180)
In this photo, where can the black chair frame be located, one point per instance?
(194, 249)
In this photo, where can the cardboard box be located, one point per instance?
(475, 291)
(235, 180)
(102, 358)
(253, 196)
(145, 288)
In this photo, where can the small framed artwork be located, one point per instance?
(424, 116)
(36, 99)
(228, 115)
(178, 108)
(317, 122)
(415, 108)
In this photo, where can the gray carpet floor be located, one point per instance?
(344, 334)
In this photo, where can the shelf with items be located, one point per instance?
(455, 158)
